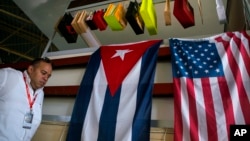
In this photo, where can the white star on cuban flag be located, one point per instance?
(116, 65)
(121, 53)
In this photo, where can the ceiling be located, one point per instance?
(20, 38)
(27, 27)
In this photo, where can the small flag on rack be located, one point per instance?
(148, 14)
(66, 29)
(184, 13)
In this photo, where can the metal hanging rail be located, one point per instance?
(73, 9)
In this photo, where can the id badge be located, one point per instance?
(27, 122)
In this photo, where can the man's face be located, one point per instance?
(39, 74)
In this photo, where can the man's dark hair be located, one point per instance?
(38, 60)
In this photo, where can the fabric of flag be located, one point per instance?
(211, 85)
(115, 96)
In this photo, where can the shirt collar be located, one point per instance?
(26, 75)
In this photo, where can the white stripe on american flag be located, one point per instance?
(246, 57)
(228, 100)
(91, 126)
(192, 110)
(237, 90)
(184, 110)
(229, 76)
(226, 97)
(221, 123)
(242, 62)
(240, 79)
(202, 124)
(245, 41)
(128, 98)
(206, 91)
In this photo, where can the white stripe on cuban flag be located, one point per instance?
(128, 98)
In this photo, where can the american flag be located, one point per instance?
(211, 85)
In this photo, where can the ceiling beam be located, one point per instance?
(16, 16)
(23, 33)
(16, 53)
(12, 34)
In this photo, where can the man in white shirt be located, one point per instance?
(21, 100)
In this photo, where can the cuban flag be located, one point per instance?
(115, 96)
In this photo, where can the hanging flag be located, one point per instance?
(211, 86)
(167, 13)
(134, 18)
(184, 13)
(99, 20)
(90, 21)
(115, 17)
(221, 11)
(66, 29)
(148, 14)
(114, 99)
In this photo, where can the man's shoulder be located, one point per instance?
(8, 76)
(10, 70)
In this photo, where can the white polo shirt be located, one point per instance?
(14, 105)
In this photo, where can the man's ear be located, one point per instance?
(30, 69)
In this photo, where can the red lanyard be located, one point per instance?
(31, 102)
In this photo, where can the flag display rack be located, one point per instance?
(75, 6)
(89, 37)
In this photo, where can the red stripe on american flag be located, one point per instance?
(240, 86)
(178, 130)
(238, 79)
(230, 92)
(210, 111)
(192, 110)
(243, 52)
(227, 103)
(244, 33)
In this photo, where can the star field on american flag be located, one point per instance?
(121, 53)
(201, 58)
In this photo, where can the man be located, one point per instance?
(21, 100)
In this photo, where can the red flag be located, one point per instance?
(184, 13)
(211, 83)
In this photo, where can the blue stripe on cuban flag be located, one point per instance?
(125, 116)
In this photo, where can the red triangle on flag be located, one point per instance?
(118, 60)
